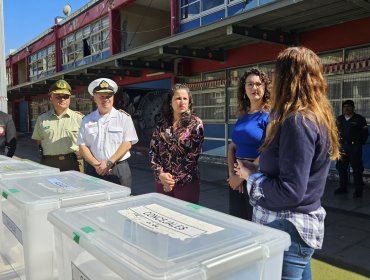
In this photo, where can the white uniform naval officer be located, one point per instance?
(106, 136)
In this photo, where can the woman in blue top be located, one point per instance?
(248, 135)
(301, 140)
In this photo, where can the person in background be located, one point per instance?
(107, 135)
(301, 140)
(353, 135)
(176, 145)
(248, 135)
(8, 140)
(56, 130)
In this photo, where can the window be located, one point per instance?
(232, 90)
(332, 62)
(189, 8)
(192, 8)
(95, 43)
(51, 57)
(42, 62)
(348, 77)
(356, 87)
(68, 49)
(357, 54)
(334, 87)
(92, 39)
(209, 98)
(105, 39)
(268, 68)
(210, 103)
(330, 58)
(9, 76)
(82, 103)
(105, 23)
(209, 4)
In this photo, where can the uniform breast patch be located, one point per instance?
(2, 130)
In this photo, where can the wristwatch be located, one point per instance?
(109, 163)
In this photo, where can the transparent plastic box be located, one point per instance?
(23, 168)
(6, 271)
(5, 158)
(153, 236)
(26, 237)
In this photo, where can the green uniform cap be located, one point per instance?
(60, 87)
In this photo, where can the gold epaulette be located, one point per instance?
(80, 113)
(124, 112)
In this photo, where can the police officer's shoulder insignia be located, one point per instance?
(44, 113)
(124, 112)
(81, 114)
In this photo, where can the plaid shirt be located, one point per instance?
(309, 226)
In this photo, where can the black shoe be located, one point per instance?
(340, 190)
(357, 194)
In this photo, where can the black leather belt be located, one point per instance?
(61, 157)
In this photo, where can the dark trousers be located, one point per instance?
(239, 204)
(63, 162)
(188, 192)
(120, 174)
(353, 157)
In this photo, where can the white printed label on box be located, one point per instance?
(13, 228)
(166, 221)
(78, 274)
(61, 186)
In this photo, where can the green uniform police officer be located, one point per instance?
(56, 131)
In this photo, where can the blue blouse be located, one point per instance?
(249, 133)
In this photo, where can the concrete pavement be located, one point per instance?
(347, 227)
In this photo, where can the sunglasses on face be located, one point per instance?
(104, 97)
(62, 96)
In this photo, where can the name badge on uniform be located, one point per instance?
(92, 124)
(2, 130)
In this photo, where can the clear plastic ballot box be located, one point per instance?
(5, 158)
(27, 238)
(153, 236)
(23, 168)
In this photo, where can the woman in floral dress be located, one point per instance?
(175, 147)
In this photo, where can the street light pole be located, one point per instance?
(3, 81)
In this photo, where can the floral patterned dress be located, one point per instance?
(177, 151)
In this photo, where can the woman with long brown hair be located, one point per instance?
(295, 158)
(176, 145)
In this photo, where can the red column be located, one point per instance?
(114, 31)
(174, 17)
(14, 69)
(58, 53)
(26, 63)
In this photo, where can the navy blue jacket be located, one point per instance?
(352, 131)
(296, 165)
